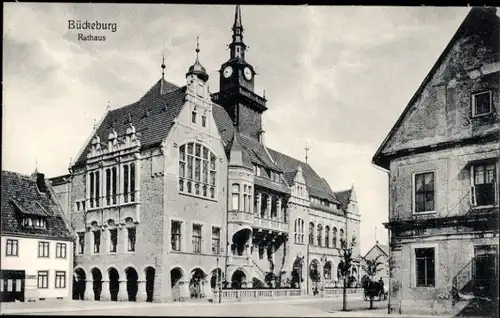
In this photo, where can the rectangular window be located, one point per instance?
(113, 236)
(97, 241)
(12, 248)
(43, 279)
(60, 279)
(91, 181)
(114, 181)
(97, 188)
(424, 265)
(204, 121)
(196, 238)
(108, 186)
(125, 183)
(484, 184)
(43, 249)
(176, 235)
(81, 243)
(131, 239)
(481, 103)
(193, 117)
(132, 182)
(215, 240)
(61, 250)
(424, 192)
(236, 197)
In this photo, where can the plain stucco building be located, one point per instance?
(442, 159)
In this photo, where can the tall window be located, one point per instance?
(12, 248)
(43, 279)
(129, 182)
(81, 243)
(245, 198)
(481, 103)
(327, 236)
(236, 197)
(274, 207)
(424, 258)
(43, 249)
(95, 185)
(97, 241)
(193, 117)
(204, 121)
(301, 231)
(111, 181)
(424, 192)
(311, 233)
(342, 239)
(131, 231)
(334, 242)
(113, 240)
(197, 170)
(60, 279)
(61, 250)
(320, 233)
(215, 240)
(176, 235)
(196, 238)
(484, 186)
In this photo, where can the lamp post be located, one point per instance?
(218, 280)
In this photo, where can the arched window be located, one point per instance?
(311, 233)
(236, 197)
(320, 233)
(334, 237)
(197, 170)
(327, 270)
(341, 238)
(327, 236)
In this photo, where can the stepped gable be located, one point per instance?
(153, 116)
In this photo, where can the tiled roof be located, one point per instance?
(20, 196)
(316, 186)
(266, 183)
(257, 152)
(343, 197)
(152, 116)
(289, 177)
(237, 147)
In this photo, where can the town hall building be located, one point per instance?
(177, 194)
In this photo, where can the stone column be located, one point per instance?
(89, 290)
(268, 208)
(184, 289)
(259, 201)
(207, 291)
(142, 295)
(122, 292)
(278, 210)
(105, 292)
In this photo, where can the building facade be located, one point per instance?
(380, 253)
(442, 159)
(178, 191)
(37, 241)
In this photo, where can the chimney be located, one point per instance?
(40, 182)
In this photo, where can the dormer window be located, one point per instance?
(37, 223)
(481, 103)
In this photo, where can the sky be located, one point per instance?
(335, 77)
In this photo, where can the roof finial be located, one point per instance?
(307, 150)
(264, 94)
(197, 46)
(237, 17)
(108, 106)
(95, 125)
(163, 65)
(36, 164)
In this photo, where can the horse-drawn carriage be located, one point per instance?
(374, 290)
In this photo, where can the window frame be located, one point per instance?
(60, 247)
(94, 242)
(416, 246)
(44, 243)
(216, 239)
(198, 247)
(473, 103)
(12, 254)
(414, 193)
(46, 281)
(177, 235)
(484, 163)
(56, 276)
(110, 240)
(81, 247)
(131, 246)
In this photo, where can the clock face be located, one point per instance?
(228, 71)
(248, 73)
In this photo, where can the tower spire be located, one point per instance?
(237, 47)
(162, 84)
(307, 151)
(197, 47)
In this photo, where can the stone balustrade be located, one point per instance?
(229, 295)
(271, 224)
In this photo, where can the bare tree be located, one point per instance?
(345, 252)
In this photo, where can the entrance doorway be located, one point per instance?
(486, 270)
(12, 285)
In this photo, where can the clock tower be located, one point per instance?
(236, 90)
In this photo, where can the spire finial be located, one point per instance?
(237, 17)
(36, 164)
(307, 150)
(95, 125)
(264, 94)
(163, 65)
(197, 46)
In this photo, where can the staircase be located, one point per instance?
(259, 272)
(462, 284)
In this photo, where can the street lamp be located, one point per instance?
(218, 280)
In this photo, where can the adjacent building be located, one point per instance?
(442, 160)
(379, 253)
(37, 241)
(178, 191)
